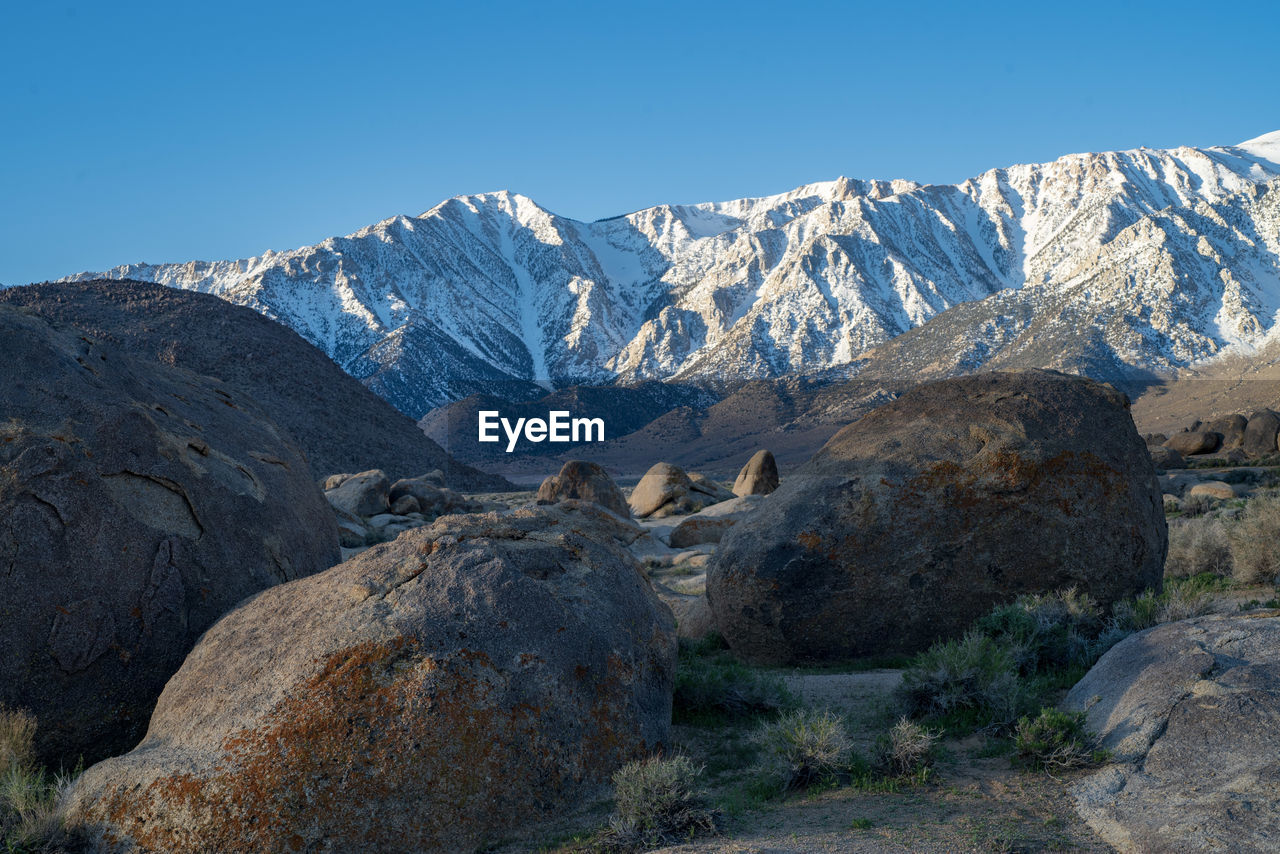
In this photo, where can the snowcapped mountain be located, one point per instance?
(1144, 259)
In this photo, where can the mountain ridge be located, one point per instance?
(1170, 255)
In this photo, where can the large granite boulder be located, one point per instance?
(444, 692)
(585, 481)
(759, 476)
(1194, 442)
(1260, 435)
(918, 518)
(138, 503)
(712, 523)
(1191, 714)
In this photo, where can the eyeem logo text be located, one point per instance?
(557, 427)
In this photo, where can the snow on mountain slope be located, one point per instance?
(1143, 259)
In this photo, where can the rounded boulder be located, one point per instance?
(919, 517)
(587, 482)
(445, 692)
(138, 503)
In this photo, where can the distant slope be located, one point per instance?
(340, 424)
(1142, 260)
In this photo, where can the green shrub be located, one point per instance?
(711, 685)
(1255, 542)
(907, 749)
(1055, 740)
(804, 747)
(658, 802)
(974, 675)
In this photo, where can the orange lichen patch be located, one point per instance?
(387, 748)
(810, 540)
(1007, 476)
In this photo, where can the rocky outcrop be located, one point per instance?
(1191, 714)
(431, 496)
(711, 524)
(443, 692)
(587, 482)
(759, 476)
(919, 517)
(338, 423)
(138, 503)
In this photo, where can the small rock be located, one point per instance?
(759, 476)
(1213, 489)
(1194, 442)
(404, 505)
(1260, 435)
(661, 485)
(1231, 428)
(587, 482)
(1166, 458)
(363, 494)
(708, 487)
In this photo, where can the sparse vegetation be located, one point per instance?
(1198, 545)
(658, 802)
(1255, 542)
(713, 686)
(1021, 656)
(804, 747)
(29, 821)
(1056, 740)
(907, 749)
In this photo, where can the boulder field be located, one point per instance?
(443, 692)
(919, 517)
(138, 503)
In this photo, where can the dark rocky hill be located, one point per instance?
(340, 424)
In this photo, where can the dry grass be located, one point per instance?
(29, 819)
(1255, 542)
(1196, 545)
(804, 747)
(908, 748)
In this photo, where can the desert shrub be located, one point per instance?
(803, 747)
(974, 676)
(1198, 545)
(711, 685)
(17, 739)
(1199, 505)
(29, 819)
(657, 802)
(907, 748)
(1055, 740)
(1255, 542)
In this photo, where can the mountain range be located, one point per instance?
(1116, 264)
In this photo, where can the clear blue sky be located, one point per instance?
(175, 131)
